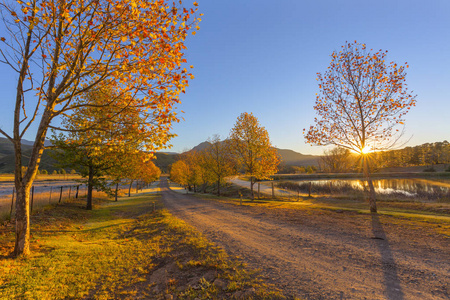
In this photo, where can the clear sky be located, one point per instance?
(262, 56)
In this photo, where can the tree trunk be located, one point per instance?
(22, 246)
(218, 187)
(90, 184)
(117, 189)
(251, 188)
(372, 195)
(129, 188)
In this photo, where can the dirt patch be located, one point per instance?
(327, 254)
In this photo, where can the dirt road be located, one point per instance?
(318, 254)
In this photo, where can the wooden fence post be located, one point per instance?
(309, 189)
(12, 203)
(117, 189)
(70, 190)
(50, 197)
(76, 195)
(60, 195)
(32, 199)
(273, 192)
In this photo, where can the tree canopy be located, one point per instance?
(250, 144)
(361, 103)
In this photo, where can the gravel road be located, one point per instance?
(319, 254)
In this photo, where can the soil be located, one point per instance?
(323, 254)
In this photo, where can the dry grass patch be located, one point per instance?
(121, 250)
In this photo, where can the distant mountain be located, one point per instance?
(292, 158)
(164, 160)
(31, 143)
(202, 146)
(288, 157)
(7, 157)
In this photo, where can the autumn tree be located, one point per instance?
(179, 172)
(218, 161)
(63, 49)
(118, 148)
(361, 103)
(195, 173)
(250, 144)
(336, 160)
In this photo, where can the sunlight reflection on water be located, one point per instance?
(409, 187)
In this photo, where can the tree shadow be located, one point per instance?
(390, 272)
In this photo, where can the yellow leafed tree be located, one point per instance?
(62, 49)
(250, 144)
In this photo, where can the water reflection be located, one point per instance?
(409, 187)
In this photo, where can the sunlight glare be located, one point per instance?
(365, 150)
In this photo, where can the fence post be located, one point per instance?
(117, 188)
(70, 190)
(60, 195)
(309, 189)
(32, 199)
(273, 192)
(298, 195)
(76, 195)
(50, 198)
(12, 203)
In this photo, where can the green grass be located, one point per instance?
(113, 251)
(435, 216)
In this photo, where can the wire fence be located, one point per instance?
(43, 195)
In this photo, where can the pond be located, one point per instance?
(409, 186)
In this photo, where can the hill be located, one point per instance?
(288, 157)
(164, 160)
(7, 158)
(292, 158)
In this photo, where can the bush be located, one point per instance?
(430, 169)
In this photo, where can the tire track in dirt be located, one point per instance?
(320, 260)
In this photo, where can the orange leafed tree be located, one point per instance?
(361, 104)
(251, 146)
(62, 49)
(218, 161)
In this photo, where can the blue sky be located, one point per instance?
(262, 56)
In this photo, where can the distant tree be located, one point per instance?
(195, 173)
(311, 169)
(63, 172)
(73, 172)
(361, 103)
(299, 170)
(55, 172)
(250, 144)
(336, 160)
(218, 162)
(44, 172)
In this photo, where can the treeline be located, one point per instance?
(427, 154)
(247, 150)
(340, 160)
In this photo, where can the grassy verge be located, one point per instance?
(434, 216)
(121, 250)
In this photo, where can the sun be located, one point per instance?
(365, 150)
